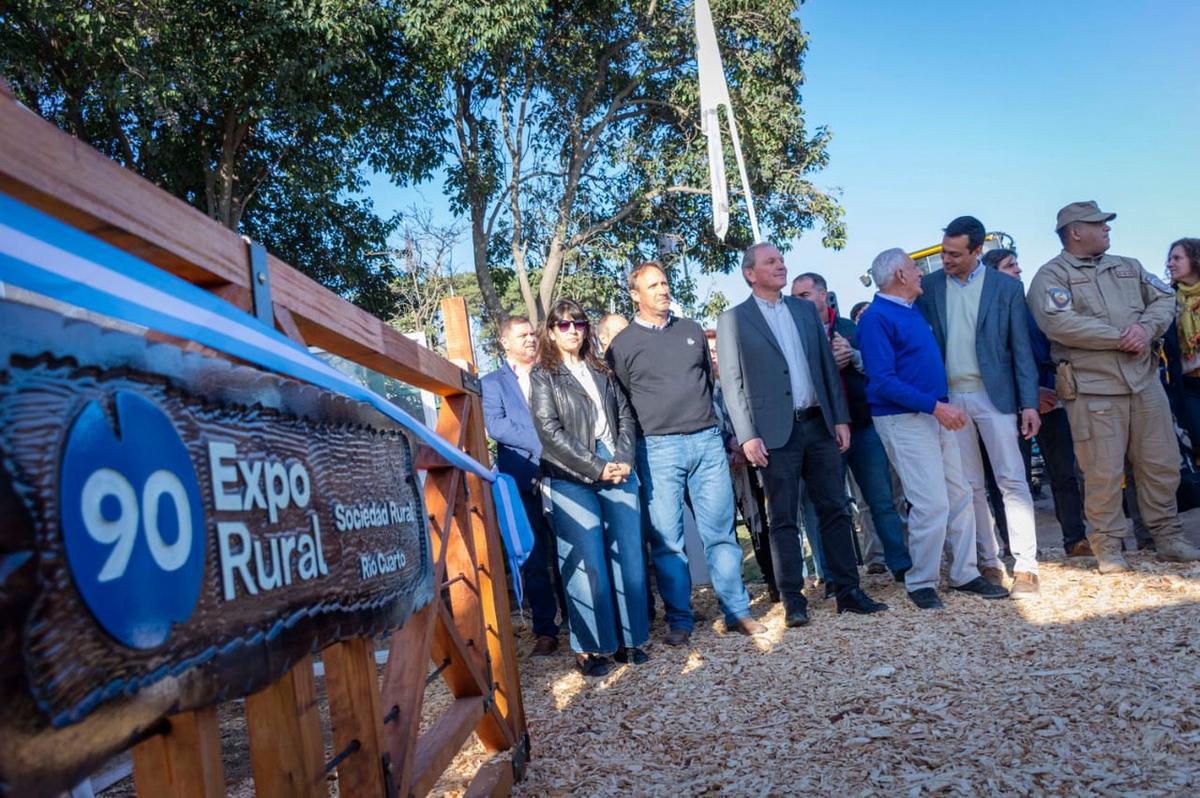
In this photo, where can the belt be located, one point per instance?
(807, 413)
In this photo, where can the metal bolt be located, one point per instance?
(262, 277)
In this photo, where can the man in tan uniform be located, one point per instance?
(1101, 313)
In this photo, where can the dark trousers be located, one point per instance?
(811, 458)
(1058, 453)
(543, 587)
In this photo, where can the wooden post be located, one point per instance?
(352, 685)
(286, 751)
(507, 705)
(185, 761)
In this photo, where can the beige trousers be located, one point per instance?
(1107, 431)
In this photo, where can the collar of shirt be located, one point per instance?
(1096, 261)
(768, 305)
(519, 370)
(649, 325)
(979, 267)
(898, 300)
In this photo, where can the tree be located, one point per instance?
(583, 142)
(425, 272)
(264, 115)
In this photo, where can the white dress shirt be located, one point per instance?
(787, 335)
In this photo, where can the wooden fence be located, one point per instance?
(464, 635)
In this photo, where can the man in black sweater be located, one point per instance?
(662, 363)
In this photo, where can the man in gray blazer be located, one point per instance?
(978, 318)
(788, 408)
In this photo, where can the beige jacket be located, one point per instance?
(1083, 304)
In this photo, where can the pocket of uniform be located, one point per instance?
(1101, 418)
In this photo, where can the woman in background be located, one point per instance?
(1183, 340)
(587, 432)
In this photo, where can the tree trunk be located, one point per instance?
(479, 247)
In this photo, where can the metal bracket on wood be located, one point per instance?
(389, 776)
(260, 283)
(520, 757)
(471, 383)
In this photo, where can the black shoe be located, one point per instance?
(899, 575)
(926, 598)
(634, 655)
(591, 664)
(773, 595)
(830, 590)
(796, 616)
(876, 568)
(982, 588)
(857, 601)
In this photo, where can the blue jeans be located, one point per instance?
(868, 462)
(695, 464)
(599, 534)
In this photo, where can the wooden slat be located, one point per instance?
(404, 690)
(504, 724)
(185, 761)
(286, 752)
(465, 675)
(330, 322)
(352, 684)
(441, 744)
(64, 177)
(56, 173)
(494, 779)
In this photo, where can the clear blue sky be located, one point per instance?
(1002, 110)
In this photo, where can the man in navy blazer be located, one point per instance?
(518, 451)
(978, 318)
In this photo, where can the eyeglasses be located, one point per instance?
(566, 325)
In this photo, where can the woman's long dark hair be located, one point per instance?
(1191, 251)
(549, 357)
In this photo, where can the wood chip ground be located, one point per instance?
(1089, 690)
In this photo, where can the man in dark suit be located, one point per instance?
(508, 421)
(866, 457)
(979, 320)
(785, 400)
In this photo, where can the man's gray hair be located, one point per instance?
(886, 264)
(751, 254)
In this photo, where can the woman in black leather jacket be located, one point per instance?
(587, 431)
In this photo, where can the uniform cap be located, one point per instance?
(1082, 212)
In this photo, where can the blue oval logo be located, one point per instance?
(132, 520)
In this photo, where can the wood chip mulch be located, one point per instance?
(1090, 689)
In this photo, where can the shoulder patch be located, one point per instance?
(1156, 283)
(1057, 299)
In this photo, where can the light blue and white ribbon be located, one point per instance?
(46, 256)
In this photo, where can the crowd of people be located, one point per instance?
(923, 406)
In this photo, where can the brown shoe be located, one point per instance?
(993, 574)
(747, 626)
(1024, 585)
(544, 646)
(677, 637)
(1080, 548)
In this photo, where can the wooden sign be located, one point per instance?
(179, 531)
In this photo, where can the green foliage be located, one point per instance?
(262, 114)
(587, 147)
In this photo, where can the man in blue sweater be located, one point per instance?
(908, 392)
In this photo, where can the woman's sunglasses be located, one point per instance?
(566, 325)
